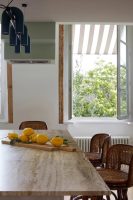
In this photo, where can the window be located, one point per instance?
(6, 105)
(99, 89)
(94, 56)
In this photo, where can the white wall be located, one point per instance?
(35, 94)
(90, 128)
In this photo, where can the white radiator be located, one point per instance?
(84, 142)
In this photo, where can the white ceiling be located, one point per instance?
(76, 10)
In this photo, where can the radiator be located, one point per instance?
(84, 142)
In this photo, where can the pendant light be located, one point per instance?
(12, 36)
(12, 24)
(17, 16)
(5, 22)
(28, 47)
(17, 46)
(24, 37)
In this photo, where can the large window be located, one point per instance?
(97, 71)
(94, 88)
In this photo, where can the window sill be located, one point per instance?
(96, 120)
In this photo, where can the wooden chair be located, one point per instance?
(37, 125)
(81, 197)
(119, 156)
(99, 145)
(114, 174)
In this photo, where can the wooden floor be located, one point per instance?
(130, 195)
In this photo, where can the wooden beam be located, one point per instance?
(10, 95)
(61, 73)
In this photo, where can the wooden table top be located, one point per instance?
(31, 172)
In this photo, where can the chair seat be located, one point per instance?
(93, 156)
(113, 176)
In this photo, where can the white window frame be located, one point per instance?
(68, 89)
(120, 114)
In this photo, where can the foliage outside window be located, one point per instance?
(95, 93)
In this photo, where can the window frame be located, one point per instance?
(120, 116)
(67, 79)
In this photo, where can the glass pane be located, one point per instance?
(122, 54)
(123, 78)
(94, 93)
(122, 86)
(123, 33)
(123, 103)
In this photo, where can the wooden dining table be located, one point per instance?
(27, 173)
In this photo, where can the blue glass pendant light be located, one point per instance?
(12, 36)
(17, 46)
(19, 19)
(24, 37)
(5, 22)
(12, 24)
(28, 47)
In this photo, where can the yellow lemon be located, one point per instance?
(12, 136)
(41, 139)
(28, 131)
(33, 137)
(24, 138)
(57, 141)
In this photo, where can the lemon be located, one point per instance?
(28, 131)
(33, 137)
(24, 138)
(57, 141)
(41, 139)
(12, 136)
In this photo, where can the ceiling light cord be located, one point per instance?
(9, 3)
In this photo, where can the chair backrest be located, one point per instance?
(119, 155)
(37, 125)
(105, 148)
(130, 174)
(97, 142)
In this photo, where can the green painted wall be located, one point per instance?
(42, 35)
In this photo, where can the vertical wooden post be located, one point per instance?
(61, 73)
(10, 95)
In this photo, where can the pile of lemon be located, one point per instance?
(29, 135)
